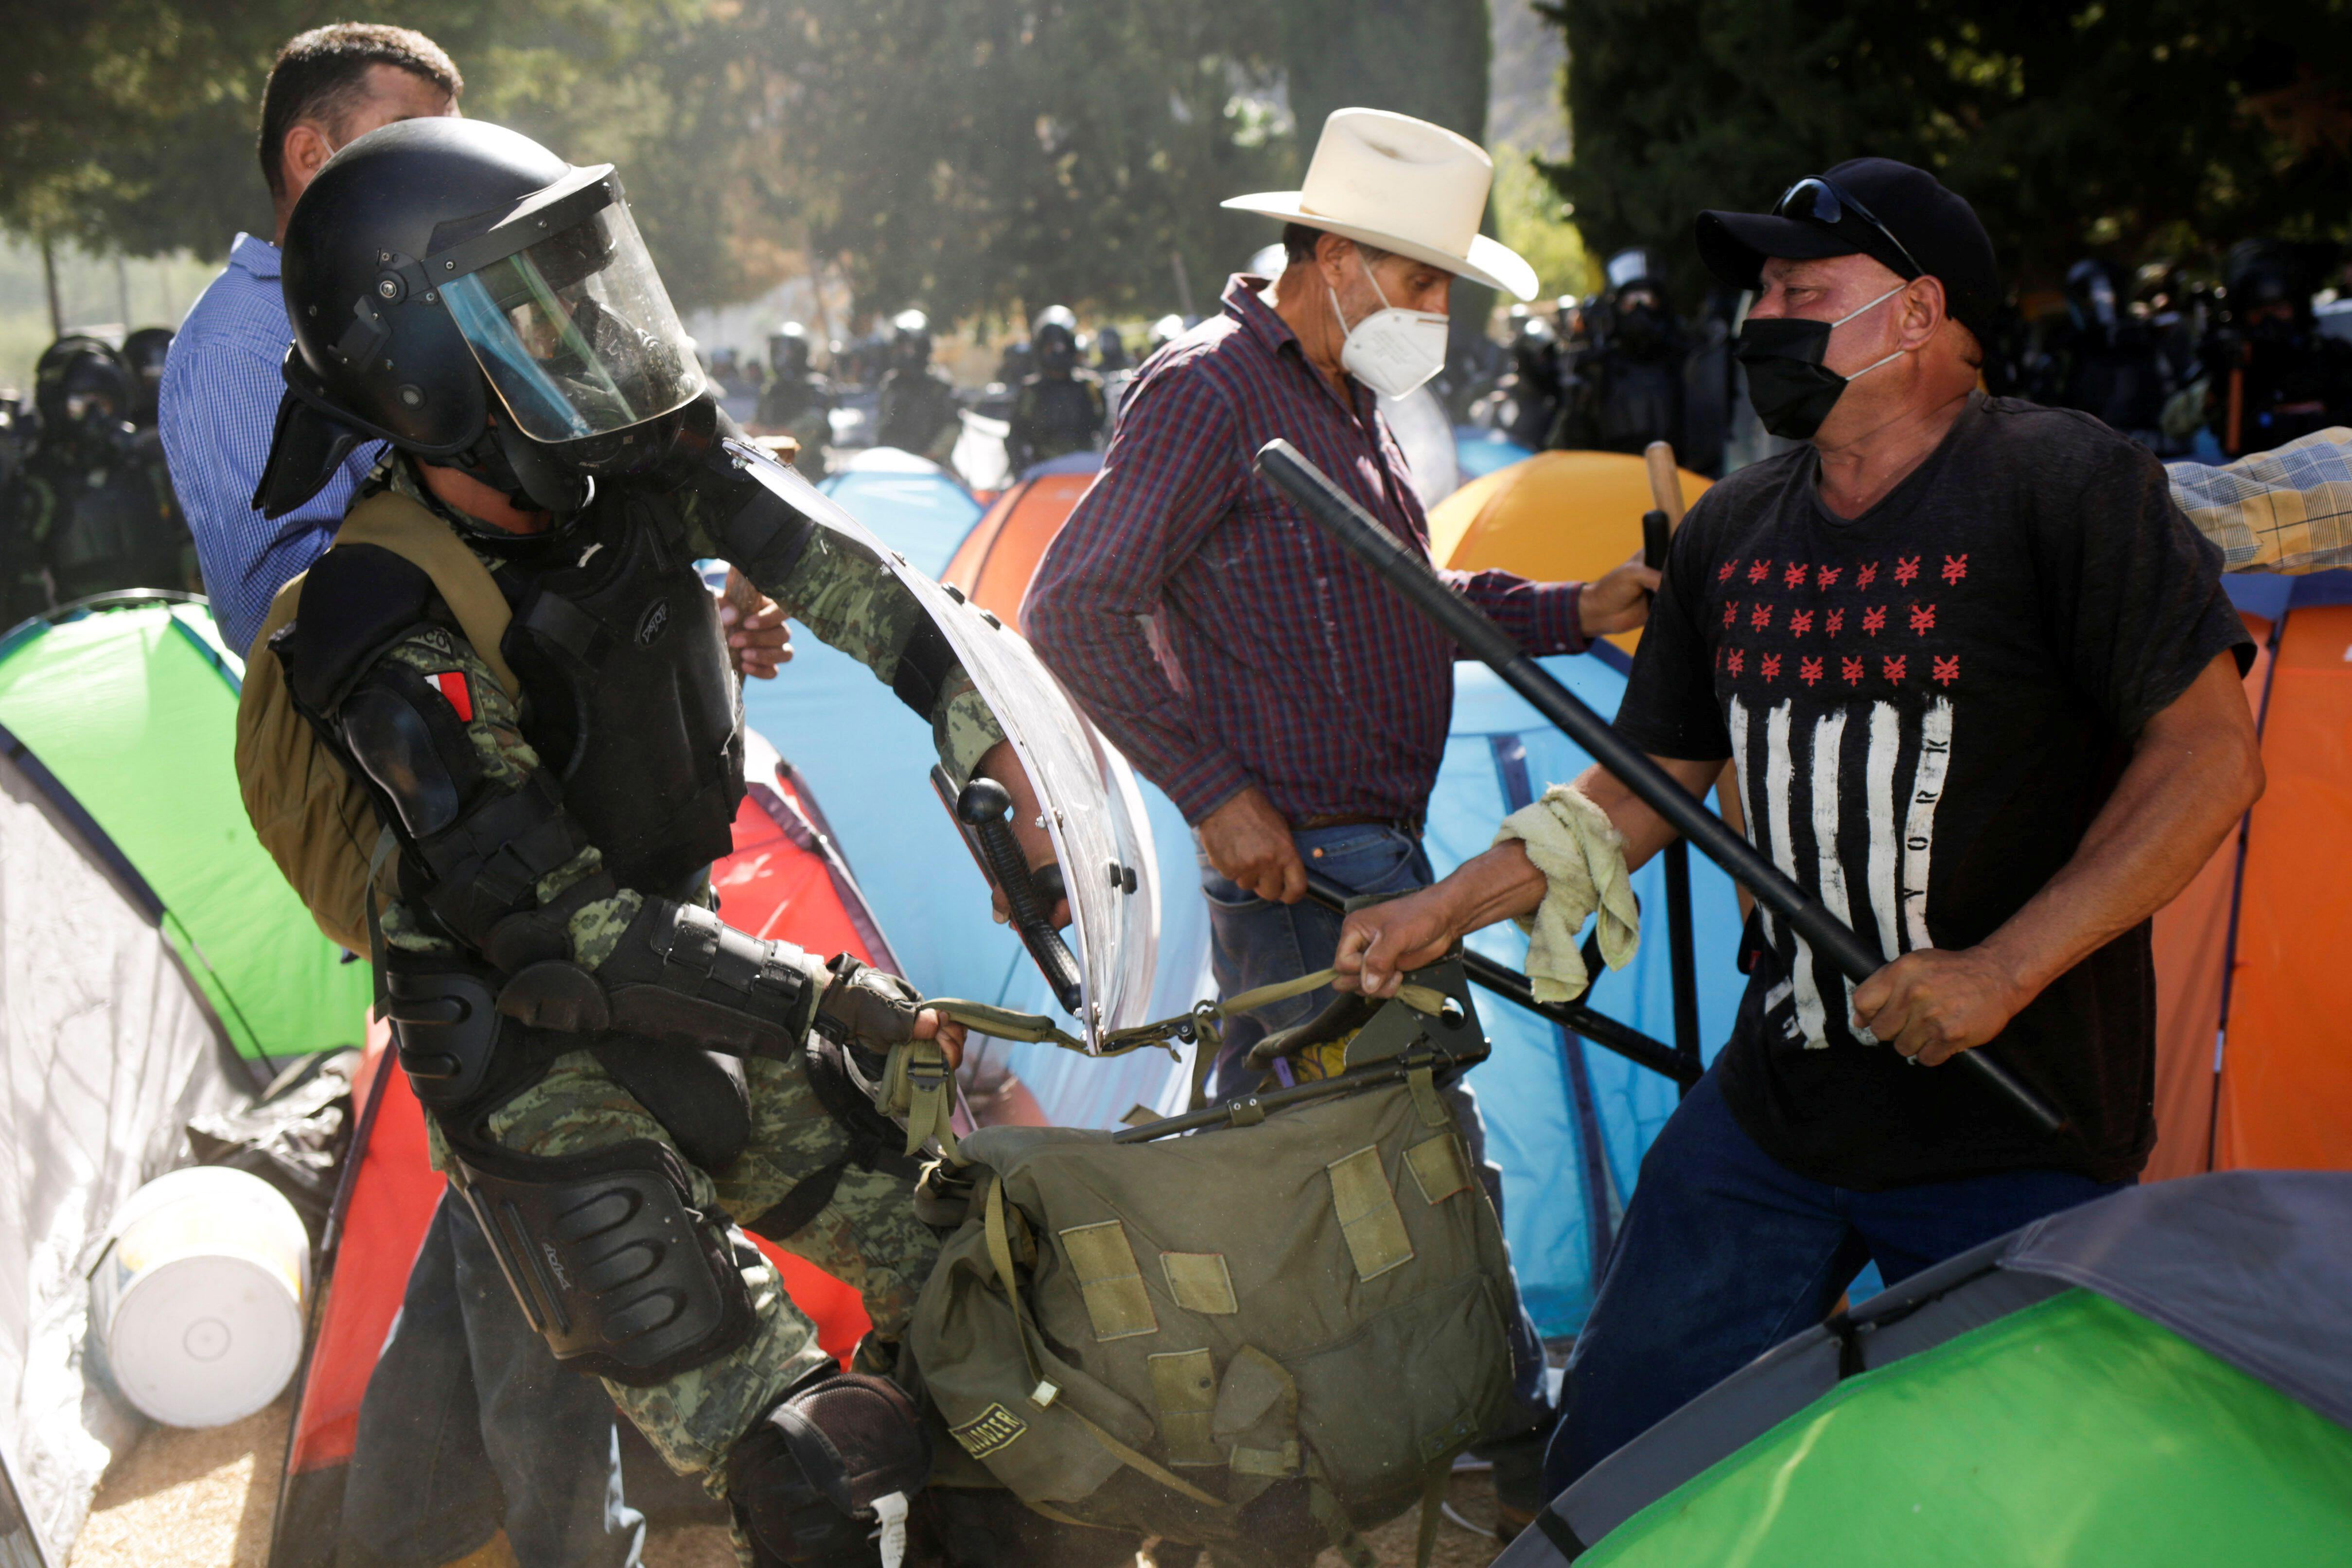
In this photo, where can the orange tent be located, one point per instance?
(997, 558)
(2254, 997)
(1557, 516)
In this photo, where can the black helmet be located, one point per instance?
(80, 384)
(1053, 337)
(144, 350)
(2095, 293)
(788, 350)
(910, 339)
(436, 262)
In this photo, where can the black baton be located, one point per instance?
(1411, 577)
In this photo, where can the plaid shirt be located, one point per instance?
(2286, 511)
(1271, 658)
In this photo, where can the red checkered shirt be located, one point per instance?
(1279, 660)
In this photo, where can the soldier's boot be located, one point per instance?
(825, 1478)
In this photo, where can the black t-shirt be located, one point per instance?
(1929, 703)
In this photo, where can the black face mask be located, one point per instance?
(1791, 390)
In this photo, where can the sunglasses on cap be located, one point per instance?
(1824, 204)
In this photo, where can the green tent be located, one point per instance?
(2161, 1378)
(122, 711)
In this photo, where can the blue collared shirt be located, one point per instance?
(221, 390)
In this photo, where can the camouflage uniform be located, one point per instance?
(867, 1233)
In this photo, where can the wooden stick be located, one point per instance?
(1665, 481)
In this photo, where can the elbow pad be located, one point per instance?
(753, 526)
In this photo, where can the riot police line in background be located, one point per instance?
(86, 504)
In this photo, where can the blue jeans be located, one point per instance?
(1724, 1253)
(1254, 942)
(470, 1424)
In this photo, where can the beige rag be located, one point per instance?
(1582, 857)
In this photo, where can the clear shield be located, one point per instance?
(576, 332)
(1093, 808)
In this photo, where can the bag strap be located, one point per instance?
(389, 521)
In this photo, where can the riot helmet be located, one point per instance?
(910, 339)
(788, 351)
(144, 351)
(462, 292)
(2094, 296)
(1053, 337)
(1166, 331)
(1111, 350)
(82, 389)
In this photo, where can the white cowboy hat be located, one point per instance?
(1401, 184)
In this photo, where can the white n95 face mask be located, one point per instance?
(1390, 350)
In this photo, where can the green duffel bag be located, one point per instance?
(1271, 1332)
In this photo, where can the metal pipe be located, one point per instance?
(1405, 571)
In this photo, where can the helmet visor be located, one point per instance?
(576, 332)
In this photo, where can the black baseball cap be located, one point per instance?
(1891, 212)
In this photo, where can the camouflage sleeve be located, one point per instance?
(853, 602)
(508, 761)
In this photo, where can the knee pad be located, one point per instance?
(608, 1260)
(829, 1468)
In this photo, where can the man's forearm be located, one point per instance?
(2193, 774)
(1645, 831)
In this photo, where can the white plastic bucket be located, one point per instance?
(199, 1299)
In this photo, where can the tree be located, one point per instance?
(2092, 126)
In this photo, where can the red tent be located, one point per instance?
(783, 879)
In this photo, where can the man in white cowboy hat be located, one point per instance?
(1295, 710)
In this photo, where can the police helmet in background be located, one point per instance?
(1053, 337)
(2096, 295)
(82, 389)
(144, 351)
(462, 292)
(910, 339)
(2270, 285)
(1111, 350)
(788, 350)
(1166, 331)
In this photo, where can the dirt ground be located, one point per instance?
(204, 1500)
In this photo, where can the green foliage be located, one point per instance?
(2113, 126)
(974, 156)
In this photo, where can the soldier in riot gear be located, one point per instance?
(91, 510)
(2105, 360)
(144, 351)
(797, 401)
(617, 1078)
(1060, 408)
(917, 408)
(1629, 382)
(2273, 375)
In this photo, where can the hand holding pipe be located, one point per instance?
(985, 806)
(1464, 622)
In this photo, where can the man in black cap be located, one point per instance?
(1979, 684)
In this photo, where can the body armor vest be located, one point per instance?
(628, 696)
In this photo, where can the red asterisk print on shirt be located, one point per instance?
(1761, 617)
(1875, 621)
(1730, 611)
(1923, 618)
(1771, 668)
(1836, 624)
(1947, 670)
(1852, 670)
(1800, 622)
(1809, 670)
(1866, 576)
(1758, 571)
(1956, 567)
(1795, 576)
(1907, 569)
(1738, 661)
(1892, 665)
(1723, 572)
(1826, 576)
